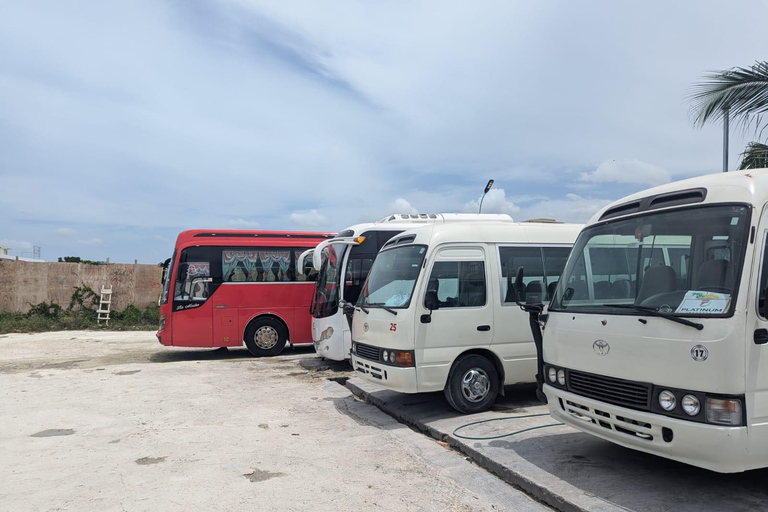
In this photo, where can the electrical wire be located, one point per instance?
(502, 419)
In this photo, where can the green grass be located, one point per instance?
(79, 315)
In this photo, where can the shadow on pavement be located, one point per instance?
(218, 354)
(639, 481)
(175, 355)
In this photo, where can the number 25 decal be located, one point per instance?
(392, 327)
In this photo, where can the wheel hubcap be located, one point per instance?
(265, 337)
(475, 385)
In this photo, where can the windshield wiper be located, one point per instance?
(653, 312)
(363, 308)
(382, 306)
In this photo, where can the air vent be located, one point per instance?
(678, 198)
(695, 195)
(622, 209)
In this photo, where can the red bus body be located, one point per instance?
(220, 282)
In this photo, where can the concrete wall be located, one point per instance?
(24, 284)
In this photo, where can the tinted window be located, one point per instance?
(458, 284)
(542, 269)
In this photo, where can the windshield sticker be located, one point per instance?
(701, 302)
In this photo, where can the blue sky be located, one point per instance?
(123, 123)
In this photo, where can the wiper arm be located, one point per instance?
(653, 312)
(363, 308)
(382, 306)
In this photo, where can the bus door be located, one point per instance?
(464, 318)
(191, 308)
(757, 345)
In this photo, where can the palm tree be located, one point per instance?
(743, 93)
(755, 156)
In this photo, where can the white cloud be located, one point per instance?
(242, 223)
(65, 232)
(495, 202)
(92, 241)
(400, 205)
(627, 171)
(309, 218)
(571, 208)
(18, 246)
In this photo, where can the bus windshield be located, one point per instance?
(167, 278)
(684, 262)
(325, 302)
(393, 277)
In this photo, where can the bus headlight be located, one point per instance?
(724, 411)
(327, 333)
(552, 373)
(691, 405)
(667, 400)
(561, 377)
(162, 322)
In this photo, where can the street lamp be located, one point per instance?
(487, 188)
(726, 112)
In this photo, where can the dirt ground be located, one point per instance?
(114, 421)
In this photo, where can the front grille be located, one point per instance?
(625, 393)
(367, 351)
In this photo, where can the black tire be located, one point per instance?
(265, 338)
(473, 384)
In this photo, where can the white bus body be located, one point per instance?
(672, 359)
(347, 258)
(474, 339)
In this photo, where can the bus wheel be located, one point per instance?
(265, 337)
(472, 384)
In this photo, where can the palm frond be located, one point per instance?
(755, 156)
(744, 91)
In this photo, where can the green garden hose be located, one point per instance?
(502, 419)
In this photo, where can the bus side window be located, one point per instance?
(459, 284)
(530, 258)
(763, 279)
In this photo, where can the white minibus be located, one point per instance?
(663, 351)
(347, 258)
(438, 312)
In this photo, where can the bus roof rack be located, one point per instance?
(445, 217)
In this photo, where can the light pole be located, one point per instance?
(487, 188)
(726, 112)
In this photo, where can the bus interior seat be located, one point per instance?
(535, 288)
(602, 289)
(621, 289)
(714, 274)
(661, 279)
(551, 287)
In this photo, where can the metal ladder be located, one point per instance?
(105, 305)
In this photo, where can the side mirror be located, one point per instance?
(347, 308)
(431, 301)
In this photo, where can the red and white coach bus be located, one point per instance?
(225, 287)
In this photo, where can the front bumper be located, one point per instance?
(390, 377)
(721, 449)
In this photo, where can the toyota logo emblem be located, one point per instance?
(601, 347)
(365, 327)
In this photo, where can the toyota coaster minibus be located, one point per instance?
(667, 355)
(438, 312)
